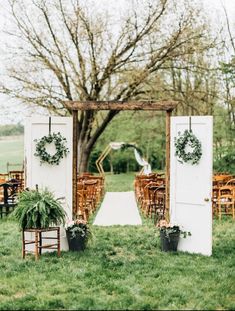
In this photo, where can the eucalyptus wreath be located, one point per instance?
(60, 145)
(188, 139)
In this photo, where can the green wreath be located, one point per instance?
(60, 145)
(188, 139)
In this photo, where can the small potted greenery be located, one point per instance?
(170, 235)
(38, 209)
(78, 233)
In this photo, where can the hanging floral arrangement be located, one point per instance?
(188, 148)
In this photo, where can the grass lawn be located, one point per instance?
(119, 182)
(122, 268)
(11, 151)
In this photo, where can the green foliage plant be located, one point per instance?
(188, 139)
(60, 145)
(11, 129)
(38, 209)
(168, 229)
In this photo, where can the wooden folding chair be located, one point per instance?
(92, 194)
(226, 201)
(230, 182)
(160, 204)
(18, 176)
(149, 200)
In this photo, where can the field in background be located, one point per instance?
(12, 151)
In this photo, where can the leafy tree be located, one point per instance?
(11, 129)
(70, 52)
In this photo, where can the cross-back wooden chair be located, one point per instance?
(231, 182)
(82, 205)
(226, 201)
(149, 201)
(91, 187)
(3, 179)
(160, 204)
(220, 180)
(18, 176)
(99, 186)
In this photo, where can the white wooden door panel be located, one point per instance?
(57, 178)
(191, 187)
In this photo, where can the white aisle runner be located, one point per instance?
(118, 208)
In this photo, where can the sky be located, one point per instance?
(12, 113)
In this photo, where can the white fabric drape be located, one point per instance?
(142, 162)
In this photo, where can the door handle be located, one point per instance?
(206, 199)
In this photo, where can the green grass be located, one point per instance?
(11, 151)
(122, 268)
(119, 182)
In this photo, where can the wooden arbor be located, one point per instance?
(75, 106)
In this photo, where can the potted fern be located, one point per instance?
(78, 233)
(38, 209)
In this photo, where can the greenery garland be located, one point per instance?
(188, 139)
(60, 145)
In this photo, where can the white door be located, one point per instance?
(57, 178)
(191, 187)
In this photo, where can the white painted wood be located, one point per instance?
(118, 208)
(57, 178)
(191, 187)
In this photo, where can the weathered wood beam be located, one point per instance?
(163, 105)
(75, 163)
(167, 167)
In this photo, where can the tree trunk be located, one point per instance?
(83, 164)
(83, 157)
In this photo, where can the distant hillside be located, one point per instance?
(11, 130)
(12, 151)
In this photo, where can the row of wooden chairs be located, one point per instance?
(90, 190)
(221, 179)
(150, 195)
(11, 184)
(16, 178)
(13, 175)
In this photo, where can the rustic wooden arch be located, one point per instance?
(75, 106)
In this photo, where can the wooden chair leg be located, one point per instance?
(58, 241)
(36, 246)
(23, 245)
(40, 243)
(219, 211)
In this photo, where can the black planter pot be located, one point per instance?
(75, 244)
(169, 243)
